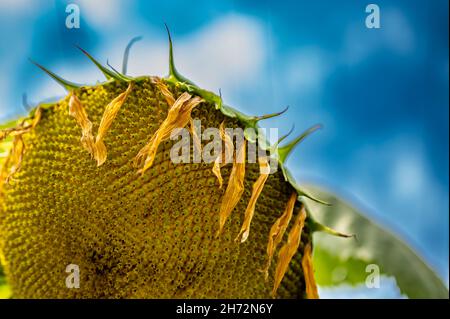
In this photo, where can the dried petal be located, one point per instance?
(277, 231)
(289, 249)
(257, 189)
(17, 152)
(23, 127)
(178, 116)
(13, 162)
(235, 187)
(37, 117)
(165, 91)
(308, 272)
(19, 130)
(108, 117)
(226, 154)
(77, 111)
(196, 139)
(216, 169)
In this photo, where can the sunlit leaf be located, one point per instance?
(340, 260)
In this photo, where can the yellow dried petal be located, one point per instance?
(289, 249)
(77, 111)
(17, 152)
(37, 117)
(178, 116)
(308, 272)
(4, 133)
(108, 117)
(17, 147)
(216, 170)
(13, 132)
(226, 154)
(235, 187)
(165, 91)
(197, 142)
(228, 144)
(22, 127)
(257, 189)
(277, 231)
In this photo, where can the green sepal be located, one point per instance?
(315, 226)
(273, 148)
(253, 120)
(125, 78)
(284, 151)
(109, 74)
(127, 52)
(300, 191)
(69, 86)
(173, 73)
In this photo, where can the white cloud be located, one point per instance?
(228, 52)
(101, 13)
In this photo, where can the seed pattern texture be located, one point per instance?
(150, 235)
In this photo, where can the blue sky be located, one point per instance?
(381, 94)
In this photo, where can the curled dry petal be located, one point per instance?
(226, 155)
(178, 116)
(13, 162)
(23, 127)
(77, 111)
(197, 143)
(289, 249)
(235, 187)
(277, 231)
(17, 152)
(165, 91)
(308, 272)
(257, 189)
(216, 170)
(108, 117)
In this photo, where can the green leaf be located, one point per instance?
(340, 260)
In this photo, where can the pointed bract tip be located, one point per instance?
(173, 73)
(168, 32)
(69, 86)
(106, 72)
(120, 75)
(126, 53)
(268, 116)
(172, 69)
(318, 227)
(284, 151)
(274, 147)
(311, 197)
(219, 101)
(25, 103)
(333, 232)
(281, 139)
